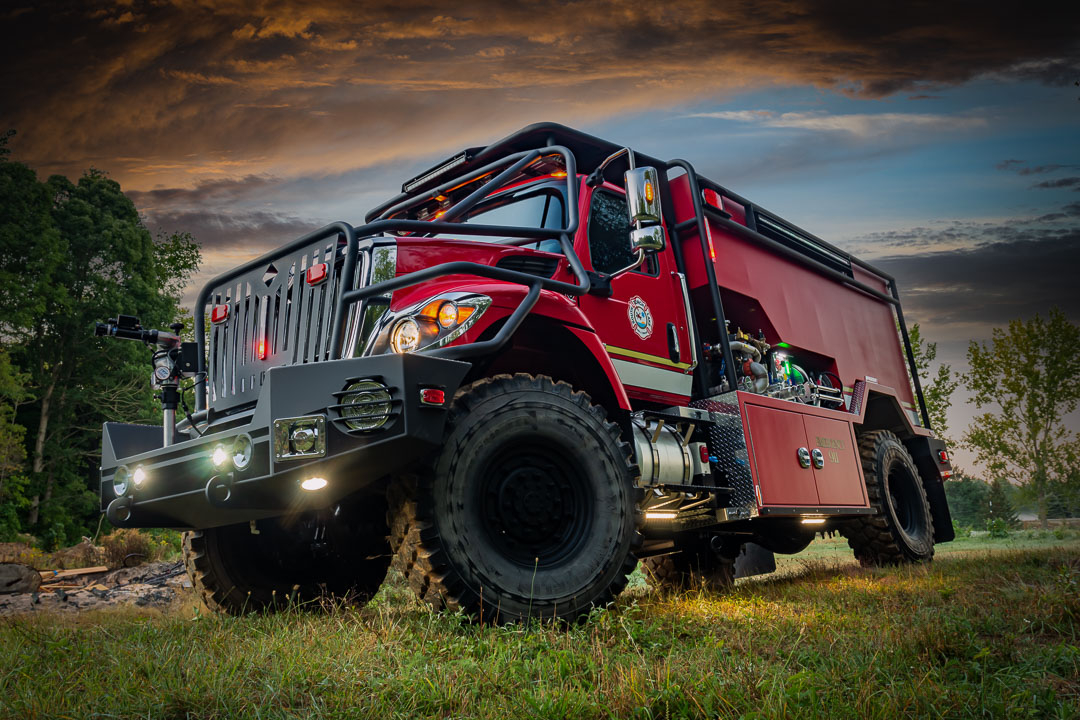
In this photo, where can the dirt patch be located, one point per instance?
(153, 585)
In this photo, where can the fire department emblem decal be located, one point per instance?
(640, 317)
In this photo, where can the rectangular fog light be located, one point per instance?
(300, 437)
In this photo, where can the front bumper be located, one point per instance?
(183, 489)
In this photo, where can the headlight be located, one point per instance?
(432, 323)
(139, 476)
(405, 336)
(241, 452)
(366, 406)
(121, 480)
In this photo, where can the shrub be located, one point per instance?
(125, 548)
(998, 527)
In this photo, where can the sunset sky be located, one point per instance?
(938, 140)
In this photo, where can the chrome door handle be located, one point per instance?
(804, 457)
(819, 459)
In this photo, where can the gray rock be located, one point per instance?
(15, 578)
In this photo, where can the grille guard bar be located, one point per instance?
(509, 167)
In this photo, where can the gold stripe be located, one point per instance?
(848, 390)
(645, 356)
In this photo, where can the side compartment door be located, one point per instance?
(643, 324)
(839, 480)
(776, 437)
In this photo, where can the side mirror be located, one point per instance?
(643, 200)
(643, 196)
(647, 238)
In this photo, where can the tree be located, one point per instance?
(1000, 507)
(1026, 375)
(12, 451)
(937, 389)
(969, 501)
(74, 253)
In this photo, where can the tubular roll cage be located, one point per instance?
(508, 167)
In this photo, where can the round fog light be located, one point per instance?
(367, 406)
(242, 452)
(139, 476)
(121, 480)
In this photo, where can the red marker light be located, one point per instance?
(432, 396)
(261, 349)
(317, 273)
(705, 453)
(943, 457)
(219, 314)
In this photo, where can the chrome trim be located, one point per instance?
(689, 323)
(284, 428)
(382, 266)
(481, 303)
(379, 341)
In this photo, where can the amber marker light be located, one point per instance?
(649, 192)
(447, 314)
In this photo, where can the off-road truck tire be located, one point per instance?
(236, 571)
(900, 530)
(528, 511)
(689, 569)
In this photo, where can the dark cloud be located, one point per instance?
(1018, 166)
(172, 91)
(991, 284)
(222, 191)
(1067, 182)
(983, 274)
(250, 232)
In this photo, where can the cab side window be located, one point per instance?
(609, 235)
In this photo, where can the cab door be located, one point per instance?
(643, 324)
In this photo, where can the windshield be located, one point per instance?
(529, 207)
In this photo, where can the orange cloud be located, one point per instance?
(330, 85)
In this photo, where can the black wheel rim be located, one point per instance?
(905, 501)
(534, 504)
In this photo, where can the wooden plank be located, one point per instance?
(54, 574)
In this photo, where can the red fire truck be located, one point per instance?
(544, 360)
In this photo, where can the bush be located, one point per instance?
(126, 548)
(998, 527)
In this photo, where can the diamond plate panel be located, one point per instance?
(856, 398)
(727, 441)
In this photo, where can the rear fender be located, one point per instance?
(879, 408)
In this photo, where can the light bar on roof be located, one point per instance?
(420, 180)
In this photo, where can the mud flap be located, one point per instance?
(754, 560)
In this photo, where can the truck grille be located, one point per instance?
(275, 318)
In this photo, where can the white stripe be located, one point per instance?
(645, 376)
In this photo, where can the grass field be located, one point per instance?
(990, 629)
